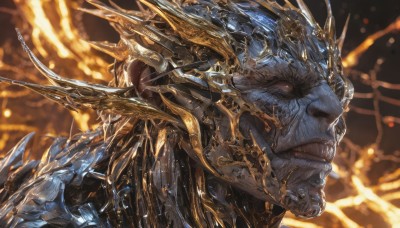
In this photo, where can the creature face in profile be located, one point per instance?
(215, 106)
(280, 121)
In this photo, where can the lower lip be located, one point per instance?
(306, 163)
(313, 164)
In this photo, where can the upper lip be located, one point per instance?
(321, 152)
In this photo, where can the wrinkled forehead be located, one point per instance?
(276, 66)
(278, 41)
(265, 37)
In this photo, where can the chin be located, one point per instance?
(302, 183)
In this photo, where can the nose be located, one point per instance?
(325, 105)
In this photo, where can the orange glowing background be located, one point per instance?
(363, 191)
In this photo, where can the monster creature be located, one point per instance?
(221, 113)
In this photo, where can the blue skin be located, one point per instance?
(303, 147)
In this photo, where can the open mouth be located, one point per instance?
(316, 152)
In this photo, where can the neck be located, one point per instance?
(170, 188)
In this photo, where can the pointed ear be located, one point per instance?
(140, 76)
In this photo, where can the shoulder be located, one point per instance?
(32, 193)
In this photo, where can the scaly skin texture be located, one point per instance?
(221, 113)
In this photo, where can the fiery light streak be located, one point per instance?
(13, 94)
(3, 140)
(82, 120)
(43, 27)
(333, 209)
(390, 176)
(66, 41)
(17, 127)
(352, 58)
(390, 213)
(391, 196)
(295, 223)
(68, 44)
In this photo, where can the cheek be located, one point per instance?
(292, 116)
(285, 110)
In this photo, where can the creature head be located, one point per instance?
(248, 95)
(260, 89)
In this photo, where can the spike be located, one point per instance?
(55, 79)
(99, 13)
(14, 156)
(328, 8)
(290, 5)
(118, 51)
(342, 37)
(307, 13)
(330, 28)
(330, 22)
(272, 6)
(194, 28)
(51, 92)
(148, 56)
(141, 13)
(150, 32)
(130, 22)
(193, 127)
(74, 98)
(116, 6)
(123, 16)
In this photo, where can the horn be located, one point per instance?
(342, 37)
(330, 22)
(57, 80)
(118, 51)
(307, 13)
(194, 28)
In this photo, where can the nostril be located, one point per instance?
(324, 104)
(324, 111)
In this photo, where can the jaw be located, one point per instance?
(302, 184)
(303, 170)
(295, 185)
(300, 172)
